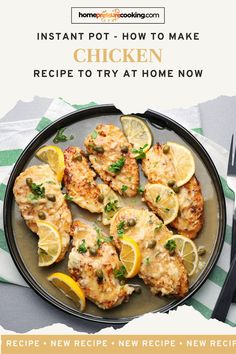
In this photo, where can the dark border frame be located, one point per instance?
(163, 123)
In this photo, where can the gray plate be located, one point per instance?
(23, 243)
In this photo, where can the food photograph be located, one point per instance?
(124, 217)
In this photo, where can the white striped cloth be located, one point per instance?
(22, 132)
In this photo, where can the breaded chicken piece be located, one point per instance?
(93, 261)
(191, 207)
(157, 166)
(34, 201)
(111, 157)
(79, 180)
(164, 273)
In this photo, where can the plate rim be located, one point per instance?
(164, 122)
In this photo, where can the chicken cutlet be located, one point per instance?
(79, 180)
(93, 262)
(38, 195)
(111, 157)
(191, 208)
(158, 166)
(162, 271)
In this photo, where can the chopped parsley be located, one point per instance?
(117, 166)
(61, 137)
(107, 239)
(121, 228)
(37, 190)
(82, 247)
(141, 154)
(147, 260)
(120, 273)
(124, 188)
(94, 134)
(111, 206)
(68, 197)
(101, 238)
(158, 198)
(170, 245)
(167, 209)
(140, 190)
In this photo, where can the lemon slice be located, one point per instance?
(130, 256)
(111, 203)
(137, 132)
(163, 201)
(187, 251)
(54, 156)
(49, 245)
(184, 163)
(69, 288)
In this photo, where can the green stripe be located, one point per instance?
(2, 191)
(228, 234)
(198, 130)
(83, 106)
(205, 311)
(218, 276)
(227, 192)
(44, 122)
(3, 280)
(9, 157)
(3, 242)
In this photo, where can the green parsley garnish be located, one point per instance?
(94, 134)
(167, 209)
(140, 190)
(120, 273)
(158, 198)
(117, 166)
(82, 247)
(124, 188)
(68, 197)
(61, 137)
(121, 228)
(107, 239)
(147, 260)
(170, 245)
(37, 190)
(141, 154)
(111, 206)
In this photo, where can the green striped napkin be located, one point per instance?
(22, 132)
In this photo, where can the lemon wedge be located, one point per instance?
(54, 156)
(183, 161)
(137, 132)
(49, 244)
(163, 201)
(188, 252)
(130, 256)
(69, 288)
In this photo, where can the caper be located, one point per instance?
(78, 157)
(51, 197)
(93, 251)
(166, 149)
(201, 250)
(131, 222)
(100, 198)
(171, 182)
(124, 149)
(99, 274)
(152, 244)
(29, 181)
(41, 215)
(175, 188)
(99, 149)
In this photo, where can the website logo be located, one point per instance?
(121, 15)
